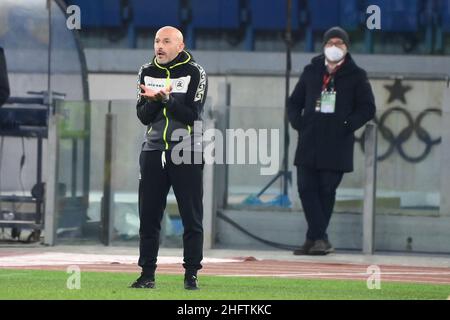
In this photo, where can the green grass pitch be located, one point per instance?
(42, 285)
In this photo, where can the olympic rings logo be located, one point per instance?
(396, 142)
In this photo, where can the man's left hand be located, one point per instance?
(164, 94)
(152, 95)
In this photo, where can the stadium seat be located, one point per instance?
(270, 15)
(149, 14)
(427, 19)
(320, 19)
(215, 14)
(351, 14)
(445, 15)
(99, 13)
(442, 9)
(344, 13)
(398, 15)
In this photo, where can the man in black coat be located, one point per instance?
(332, 100)
(4, 85)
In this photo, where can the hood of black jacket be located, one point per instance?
(182, 57)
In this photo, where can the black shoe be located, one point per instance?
(320, 248)
(191, 282)
(304, 249)
(330, 248)
(144, 282)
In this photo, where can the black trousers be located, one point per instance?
(154, 185)
(317, 189)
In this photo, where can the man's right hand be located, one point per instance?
(149, 94)
(153, 95)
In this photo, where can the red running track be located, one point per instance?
(251, 267)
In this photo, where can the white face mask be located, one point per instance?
(334, 54)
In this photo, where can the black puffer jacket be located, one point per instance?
(4, 84)
(189, 90)
(326, 140)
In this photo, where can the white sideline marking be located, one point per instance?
(335, 274)
(58, 259)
